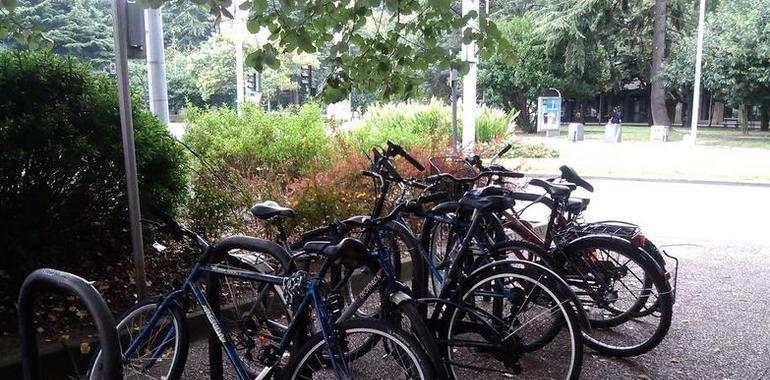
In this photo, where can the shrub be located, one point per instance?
(492, 123)
(62, 180)
(412, 123)
(406, 123)
(250, 157)
(284, 142)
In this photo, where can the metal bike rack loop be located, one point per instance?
(105, 323)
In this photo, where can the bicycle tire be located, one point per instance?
(313, 349)
(659, 287)
(124, 328)
(422, 334)
(252, 309)
(534, 275)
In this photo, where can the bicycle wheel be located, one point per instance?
(523, 250)
(477, 340)
(409, 318)
(652, 250)
(615, 281)
(253, 313)
(161, 354)
(396, 355)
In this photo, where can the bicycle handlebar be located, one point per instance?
(171, 226)
(398, 150)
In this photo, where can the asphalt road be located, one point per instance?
(721, 326)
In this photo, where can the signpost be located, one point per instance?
(120, 30)
(549, 115)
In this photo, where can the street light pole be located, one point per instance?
(240, 90)
(156, 64)
(469, 80)
(698, 64)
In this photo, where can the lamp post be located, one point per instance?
(469, 80)
(698, 64)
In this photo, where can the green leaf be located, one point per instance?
(253, 26)
(9, 4)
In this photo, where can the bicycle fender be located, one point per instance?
(239, 241)
(398, 297)
(618, 241)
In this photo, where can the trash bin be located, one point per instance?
(613, 133)
(575, 132)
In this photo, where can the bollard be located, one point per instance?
(105, 323)
(613, 133)
(575, 132)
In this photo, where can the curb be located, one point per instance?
(58, 360)
(664, 180)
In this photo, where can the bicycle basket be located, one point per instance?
(455, 166)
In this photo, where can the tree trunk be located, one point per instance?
(765, 110)
(523, 121)
(658, 92)
(743, 118)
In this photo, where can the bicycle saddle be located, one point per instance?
(269, 209)
(349, 252)
(553, 189)
(488, 199)
(570, 175)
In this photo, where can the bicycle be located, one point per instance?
(583, 259)
(492, 335)
(324, 354)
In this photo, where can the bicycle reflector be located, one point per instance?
(638, 240)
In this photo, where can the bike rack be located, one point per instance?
(105, 323)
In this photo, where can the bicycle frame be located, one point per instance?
(203, 266)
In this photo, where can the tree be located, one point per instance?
(185, 27)
(737, 58)
(613, 37)
(519, 72)
(80, 28)
(213, 66)
(735, 50)
(385, 60)
(282, 77)
(658, 92)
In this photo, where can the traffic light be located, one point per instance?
(305, 81)
(251, 82)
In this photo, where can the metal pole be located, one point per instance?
(698, 64)
(129, 156)
(469, 80)
(453, 86)
(239, 79)
(156, 64)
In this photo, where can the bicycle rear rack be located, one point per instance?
(105, 323)
(614, 228)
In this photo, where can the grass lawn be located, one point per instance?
(720, 154)
(706, 136)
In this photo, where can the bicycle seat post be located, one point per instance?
(277, 222)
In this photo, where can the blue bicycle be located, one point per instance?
(275, 341)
